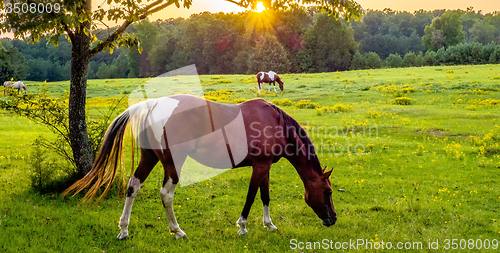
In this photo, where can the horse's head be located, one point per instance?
(319, 197)
(278, 79)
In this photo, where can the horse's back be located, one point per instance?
(19, 85)
(257, 107)
(263, 77)
(206, 130)
(192, 117)
(188, 117)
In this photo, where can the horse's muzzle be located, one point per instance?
(329, 221)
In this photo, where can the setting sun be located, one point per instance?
(260, 7)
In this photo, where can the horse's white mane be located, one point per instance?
(271, 75)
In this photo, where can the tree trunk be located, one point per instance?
(80, 58)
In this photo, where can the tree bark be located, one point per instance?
(80, 59)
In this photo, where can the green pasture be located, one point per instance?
(424, 170)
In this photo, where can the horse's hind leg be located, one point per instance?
(147, 163)
(264, 196)
(167, 192)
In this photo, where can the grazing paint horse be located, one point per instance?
(254, 133)
(16, 85)
(270, 77)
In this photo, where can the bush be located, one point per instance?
(467, 53)
(283, 102)
(240, 100)
(41, 174)
(420, 59)
(333, 109)
(342, 108)
(48, 174)
(486, 52)
(495, 56)
(410, 60)
(403, 101)
(306, 104)
(429, 58)
(393, 61)
(372, 60)
(225, 81)
(358, 61)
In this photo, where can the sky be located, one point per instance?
(220, 5)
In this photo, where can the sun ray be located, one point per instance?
(261, 23)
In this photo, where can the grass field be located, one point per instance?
(416, 151)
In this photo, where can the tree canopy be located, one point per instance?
(444, 31)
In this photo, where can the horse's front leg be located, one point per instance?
(264, 196)
(274, 86)
(258, 174)
(259, 86)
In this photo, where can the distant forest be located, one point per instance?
(292, 41)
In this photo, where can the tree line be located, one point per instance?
(292, 41)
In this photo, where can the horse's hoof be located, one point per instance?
(242, 231)
(122, 236)
(271, 227)
(180, 235)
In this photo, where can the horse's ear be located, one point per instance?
(323, 170)
(327, 174)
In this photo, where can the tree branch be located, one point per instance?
(156, 9)
(238, 3)
(150, 9)
(68, 31)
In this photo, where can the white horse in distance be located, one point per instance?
(16, 85)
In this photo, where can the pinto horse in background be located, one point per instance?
(254, 133)
(16, 85)
(270, 77)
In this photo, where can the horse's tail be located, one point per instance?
(259, 77)
(105, 167)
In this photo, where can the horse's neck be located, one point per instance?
(304, 165)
